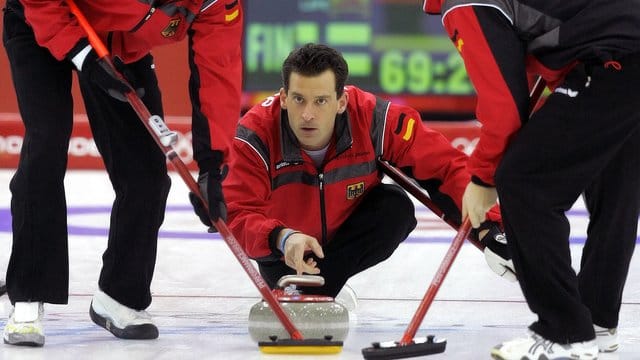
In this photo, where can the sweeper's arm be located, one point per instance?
(425, 156)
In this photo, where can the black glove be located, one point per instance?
(98, 71)
(210, 184)
(496, 252)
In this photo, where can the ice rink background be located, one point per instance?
(202, 296)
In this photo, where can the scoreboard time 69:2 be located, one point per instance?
(391, 46)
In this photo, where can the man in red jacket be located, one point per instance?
(583, 140)
(44, 43)
(304, 191)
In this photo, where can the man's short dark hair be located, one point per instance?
(314, 59)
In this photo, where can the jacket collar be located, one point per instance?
(290, 146)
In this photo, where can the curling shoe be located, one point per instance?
(121, 321)
(24, 326)
(535, 347)
(607, 339)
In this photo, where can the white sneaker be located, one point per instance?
(24, 326)
(347, 298)
(535, 347)
(607, 339)
(121, 321)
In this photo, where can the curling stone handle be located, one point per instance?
(302, 280)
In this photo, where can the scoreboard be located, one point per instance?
(392, 47)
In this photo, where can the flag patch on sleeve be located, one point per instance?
(405, 128)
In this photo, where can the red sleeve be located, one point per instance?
(57, 29)
(428, 156)
(494, 60)
(247, 190)
(426, 153)
(215, 85)
(53, 25)
(165, 23)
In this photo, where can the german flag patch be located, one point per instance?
(231, 11)
(457, 40)
(355, 190)
(170, 30)
(405, 129)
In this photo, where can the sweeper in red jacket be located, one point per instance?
(304, 192)
(45, 43)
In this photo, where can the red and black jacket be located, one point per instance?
(505, 43)
(273, 184)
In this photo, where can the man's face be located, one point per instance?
(312, 105)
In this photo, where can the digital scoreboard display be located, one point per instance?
(392, 47)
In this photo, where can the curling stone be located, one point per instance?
(316, 316)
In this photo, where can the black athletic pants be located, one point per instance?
(588, 144)
(39, 264)
(369, 236)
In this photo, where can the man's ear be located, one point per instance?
(283, 99)
(342, 102)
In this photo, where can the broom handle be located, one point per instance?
(401, 179)
(427, 300)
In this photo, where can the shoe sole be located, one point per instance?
(132, 332)
(496, 357)
(31, 340)
(610, 349)
(541, 357)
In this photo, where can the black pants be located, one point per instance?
(39, 264)
(369, 236)
(574, 145)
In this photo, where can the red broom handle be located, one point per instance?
(427, 300)
(401, 179)
(94, 39)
